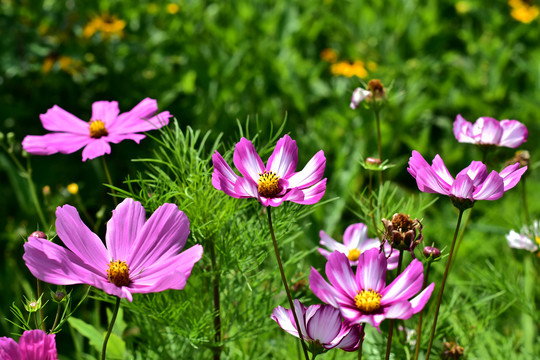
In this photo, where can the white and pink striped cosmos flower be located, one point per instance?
(471, 183)
(277, 181)
(489, 131)
(528, 239)
(142, 256)
(321, 326)
(355, 242)
(105, 126)
(365, 297)
(33, 345)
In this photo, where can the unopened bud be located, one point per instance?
(431, 252)
(39, 235)
(59, 296)
(10, 138)
(377, 89)
(373, 161)
(33, 305)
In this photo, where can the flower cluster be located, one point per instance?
(489, 131)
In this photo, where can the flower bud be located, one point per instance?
(58, 296)
(377, 89)
(10, 138)
(33, 305)
(432, 253)
(39, 235)
(402, 232)
(373, 161)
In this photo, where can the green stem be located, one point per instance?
(446, 271)
(109, 330)
(217, 306)
(33, 193)
(39, 293)
(391, 330)
(419, 328)
(362, 333)
(57, 317)
(108, 175)
(284, 280)
(460, 238)
(528, 325)
(379, 142)
(524, 196)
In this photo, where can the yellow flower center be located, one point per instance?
(368, 301)
(97, 129)
(537, 238)
(118, 273)
(268, 184)
(354, 254)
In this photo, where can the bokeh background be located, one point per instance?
(214, 64)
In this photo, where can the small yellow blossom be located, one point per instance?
(73, 188)
(347, 69)
(173, 8)
(105, 24)
(329, 55)
(523, 11)
(65, 63)
(463, 7)
(46, 190)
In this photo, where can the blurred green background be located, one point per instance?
(212, 62)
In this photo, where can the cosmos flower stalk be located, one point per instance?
(106, 126)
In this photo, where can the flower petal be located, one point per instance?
(462, 187)
(162, 237)
(324, 325)
(331, 244)
(477, 171)
(407, 284)
(58, 119)
(222, 170)
(247, 161)
(371, 271)
(487, 130)
(514, 133)
(355, 235)
(37, 344)
(284, 159)
(420, 300)
(322, 289)
(139, 119)
(311, 173)
(127, 220)
(65, 143)
(283, 318)
(511, 175)
(491, 189)
(311, 195)
(106, 111)
(463, 130)
(243, 188)
(9, 349)
(350, 341)
(358, 96)
(95, 148)
(399, 310)
(80, 239)
(340, 275)
(442, 172)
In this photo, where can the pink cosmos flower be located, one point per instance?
(321, 325)
(106, 126)
(365, 297)
(277, 181)
(33, 345)
(471, 183)
(489, 131)
(141, 256)
(355, 242)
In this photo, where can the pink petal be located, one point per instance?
(247, 161)
(514, 133)
(58, 119)
(358, 96)
(428, 181)
(139, 119)
(162, 236)
(420, 300)
(80, 239)
(324, 325)
(350, 341)
(9, 349)
(322, 289)
(442, 172)
(56, 265)
(284, 159)
(300, 311)
(340, 275)
(106, 111)
(462, 187)
(222, 169)
(95, 148)
(331, 243)
(116, 138)
(37, 345)
(399, 310)
(511, 176)
(355, 235)
(65, 143)
(311, 195)
(462, 130)
(406, 285)
(311, 173)
(477, 171)
(243, 188)
(416, 162)
(491, 189)
(282, 317)
(371, 271)
(126, 222)
(487, 130)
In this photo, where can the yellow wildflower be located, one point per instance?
(73, 188)
(173, 8)
(329, 55)
(523, 11)
(347, 69)
(105, 24)
(463, 7)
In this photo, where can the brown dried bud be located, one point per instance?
(377, 89)
(523, 157)
(402, 232)
(39, 235)
(452, 350)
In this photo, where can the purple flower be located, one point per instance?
(471, 183)
(33, 345)
(364, 297)
(277, 181)
(142, 256)
(489, 131)
(355, 242)
(106, 126)
(321, 325)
